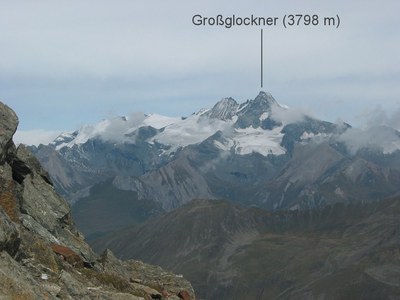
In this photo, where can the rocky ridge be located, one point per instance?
(230, 252)
(256, 153)
(43, 256)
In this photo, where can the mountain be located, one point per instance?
(230, 252)
(311, 209)
(44, 256)
(257, 153)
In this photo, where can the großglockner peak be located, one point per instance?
(260, 112)
(227, 108)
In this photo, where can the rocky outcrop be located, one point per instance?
(43, 256)
(9, 235)
(8, 126)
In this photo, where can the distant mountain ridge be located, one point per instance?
(257, 153)
(341, 251)
(175, 133)
(328, 233)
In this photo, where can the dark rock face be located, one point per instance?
(251, 112)
(8, 126)
(224, 109)
(9, 234)
(42, 255)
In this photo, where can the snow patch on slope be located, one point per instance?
(116, 129)
(192, 130)
(265, 142)
(159, 121)
(244, 138)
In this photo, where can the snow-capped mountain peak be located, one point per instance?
(248, 126)
(265, 96)
(254, 126)
(264, 102)
(225, 109)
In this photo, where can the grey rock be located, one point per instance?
(249, 114)
(42, 203)
(8, 126)
(17, 283)
(9, 192)
(73, 288)
(225, 109)
(112, 264)
(25, 163)
(9, 234)
(30, 223)
(37, 229)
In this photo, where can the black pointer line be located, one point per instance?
(262, 59)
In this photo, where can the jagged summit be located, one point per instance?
(180, 132)
(265, 96)
(224, 109)
(258, 112)
(227, 108)
(257, 125)
(264, 101)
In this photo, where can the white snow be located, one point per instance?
(225, 145)
(265, 142)
(63, 136)
(243, 107)
(307, 135)
(85, 133)
(159, 121)
(310, 135)
(192, 130)
(264, 116)
(178, 132)
(116, 129)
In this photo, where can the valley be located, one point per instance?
(247, 201)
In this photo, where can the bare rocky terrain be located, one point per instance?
(44, 256)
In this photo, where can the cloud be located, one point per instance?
(288, 115)
(101, 55)
(118, 127)
(381, 138)
(35, 137)
(113, 129)
(380, 130)
(379, 117)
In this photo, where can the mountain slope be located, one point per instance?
(229, 252)
(257, 153)
(141, 143)
(43, 256)
(106, 209)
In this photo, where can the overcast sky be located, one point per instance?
(67, 63)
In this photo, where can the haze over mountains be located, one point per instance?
(306, 211)
(223, 152)
(255, 153)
